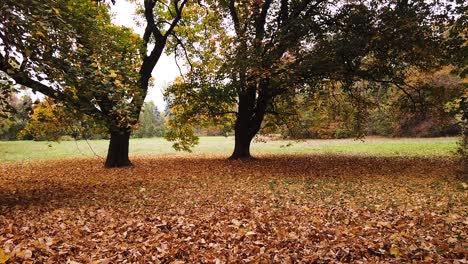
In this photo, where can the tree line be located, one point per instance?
(323, 114)
(46, 120)
(252, 65)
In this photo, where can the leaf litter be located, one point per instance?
(205, 209)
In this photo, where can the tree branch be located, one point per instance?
(260, 22)
(400, 87)
(179, 42)
(178, 16)
(234, 16)
(168, 8)
(150, 26)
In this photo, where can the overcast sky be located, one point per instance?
(166, 69)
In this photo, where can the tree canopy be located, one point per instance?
(250, 58)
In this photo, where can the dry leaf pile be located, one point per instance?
(284, 209)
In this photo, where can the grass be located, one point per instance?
(387, 147)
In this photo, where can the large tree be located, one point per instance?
(257, 54)
(69, 51)
(162, 18)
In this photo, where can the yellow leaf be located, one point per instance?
(117, 83)
(40, 34)
(394, 251)
(25, 254)
(3, 256)
(57, 12)
(384, 224)
(112, 74)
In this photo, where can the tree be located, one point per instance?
(52, 121)
(16, 115)
(151, 122)
(258, 53)
(76, 42)
(424, 112)
(329, 113)
(70, 52)
(162, 19)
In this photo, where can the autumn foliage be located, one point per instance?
(280, 209)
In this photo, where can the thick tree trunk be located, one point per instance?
(117, 156)
(241, 144)
(251, 112)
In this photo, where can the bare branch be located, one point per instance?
(400, 87)
(163, 22)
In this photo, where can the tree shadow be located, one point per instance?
(60, 186)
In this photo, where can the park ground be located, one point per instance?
(381, 200)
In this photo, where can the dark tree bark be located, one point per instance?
(242, 140)
(117, 155)
(251, 111)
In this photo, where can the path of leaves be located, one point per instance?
(288, 209)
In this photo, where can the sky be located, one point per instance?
(166, 69)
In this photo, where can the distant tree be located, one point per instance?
(151, 122)
(325, 113)
(423, 112)
(7, 92)
(253, 56)
(15, 117)
(52, 121)
(48, 122)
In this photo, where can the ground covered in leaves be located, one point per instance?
(284, 209)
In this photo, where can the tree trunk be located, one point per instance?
(242, 144)
(251, 111)
(117, 156)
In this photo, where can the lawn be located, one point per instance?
(31, 150)
(318, 201)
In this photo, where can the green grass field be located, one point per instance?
(32, 150)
